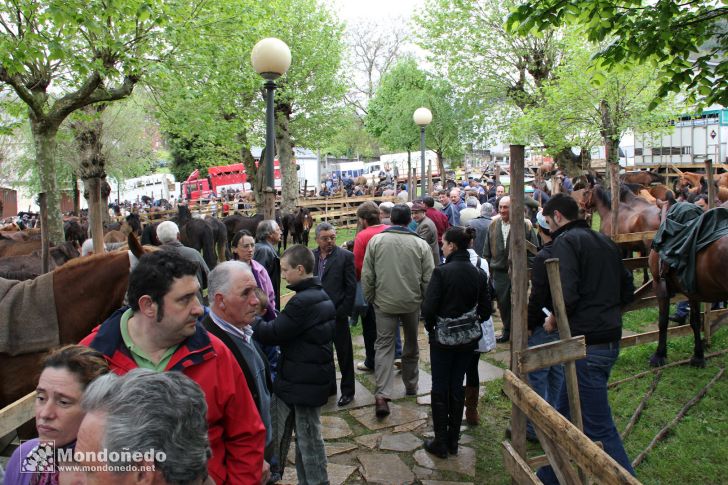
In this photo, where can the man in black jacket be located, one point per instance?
(595, 285)
(335, 268)
(547, 381)
(304, 331)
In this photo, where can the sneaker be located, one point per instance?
(363, 367)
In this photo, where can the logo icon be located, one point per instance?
(41, 459)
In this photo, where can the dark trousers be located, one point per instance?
(345, 355)
(448, 370)
(369, 332)
(502, 284)
(472, 378)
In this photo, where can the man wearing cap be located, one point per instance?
(426, 229)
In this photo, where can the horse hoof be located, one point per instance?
(656, 361)
(699, 363)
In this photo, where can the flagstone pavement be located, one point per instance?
(362, 449)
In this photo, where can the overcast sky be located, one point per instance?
(352, 10)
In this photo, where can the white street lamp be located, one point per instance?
(422, 118)
(271, 58)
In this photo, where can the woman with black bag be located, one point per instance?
(456, 301)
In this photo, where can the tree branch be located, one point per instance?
(24, 93)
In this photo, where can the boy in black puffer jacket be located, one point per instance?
(304, 331)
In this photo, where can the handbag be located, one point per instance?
(487, 341)
(456, 331)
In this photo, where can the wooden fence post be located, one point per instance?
(557, 295)
(519, 288)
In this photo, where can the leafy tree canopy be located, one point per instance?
(684, 41)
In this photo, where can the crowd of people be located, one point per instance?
(221, 390)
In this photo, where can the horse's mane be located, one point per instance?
(656, 177)
(604, 196)
(91, 259)
(625, 189)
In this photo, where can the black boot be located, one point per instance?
(438, 445)
(455, 419)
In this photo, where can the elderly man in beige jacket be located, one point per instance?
(397, 268)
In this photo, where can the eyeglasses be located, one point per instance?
(247, 246)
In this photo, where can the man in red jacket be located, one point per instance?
(159, 331)
(440, 219)
(369, 219)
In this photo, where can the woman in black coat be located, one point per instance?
(456, 288)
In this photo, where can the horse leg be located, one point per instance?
(698, 358)
(659, 358)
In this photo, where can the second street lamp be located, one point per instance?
(422, 118)
(271, 58)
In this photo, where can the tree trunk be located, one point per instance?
(441, 167)
(289, 175)
(611, 149)
(44, 139)
(105, 194)
(253, 175)
(92, 187)
(76, 196)
(92, 169)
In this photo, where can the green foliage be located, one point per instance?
(351, 138)
(210, 101)
(569, 112)
(497, 74)
(683, 42)
(404, 89)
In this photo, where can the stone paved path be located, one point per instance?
(362, 449)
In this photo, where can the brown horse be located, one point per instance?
(86, 291)
(692, 179)
(711, 266)
(642, 177)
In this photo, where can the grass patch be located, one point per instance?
(693, 452)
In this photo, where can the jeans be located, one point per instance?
(384, 349)
(448, 370)
(682, 309)
(592, 376)
(547, 381)
(310, 451)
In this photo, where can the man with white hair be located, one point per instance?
(153, 421)
(168, 235)
(481, 225)
(233, 307)
(470, 212)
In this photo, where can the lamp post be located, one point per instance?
(422, 118)
(271, 58)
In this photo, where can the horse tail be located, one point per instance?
(208, 248)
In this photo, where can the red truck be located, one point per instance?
(221, 178)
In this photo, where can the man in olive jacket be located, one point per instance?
(397, 268)
(496, 251)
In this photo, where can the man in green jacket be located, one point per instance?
(397, 268)
(497, 252)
